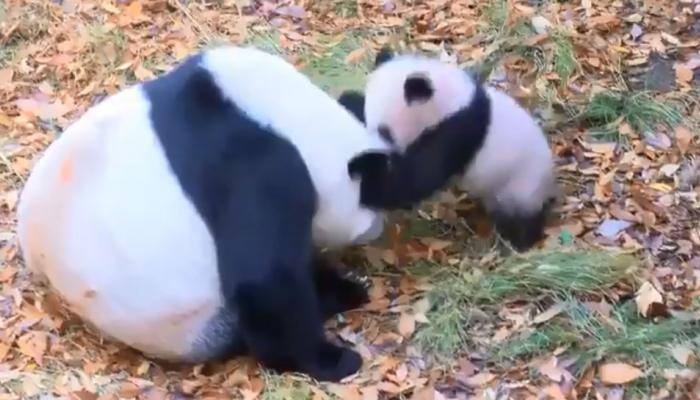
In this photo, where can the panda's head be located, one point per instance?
(508, 164)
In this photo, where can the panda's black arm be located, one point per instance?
(396, 180)
(354, 102)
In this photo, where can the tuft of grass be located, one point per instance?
(284, 387)
(496, 15)
(589, 339)
(554, 273)
(563, 57)
(332, 73)
(639, 109)
(457, 296)
(267, 40)
(106, 46)
(346, 8)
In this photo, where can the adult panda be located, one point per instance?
(444, 124)
(179, 216)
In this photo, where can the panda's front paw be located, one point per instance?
(368, 165)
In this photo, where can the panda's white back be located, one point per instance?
(515, 157)
(326, 135)
(103, 217)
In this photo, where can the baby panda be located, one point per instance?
(181, 216)
(444, 124)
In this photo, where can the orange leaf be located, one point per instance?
(407, 324)
(34, 344)
(684, 74)
(616, 373)
(6, 76)
(683, 138)
(479, 379)
(134, 9)
(355, 55)
(143, 73)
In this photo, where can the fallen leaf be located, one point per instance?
(683, 74)
(540, 24)
(553, 371)
(683, 354)
(426, 393)
(143, 73)
(550, 313)
(370, 393)
(611, 227)
(407, 324)
(647, 299)
(683, 138)
(7, 273)
(479, 379)
(355, 55)
(617, 373)
(6, 77)
(555, 392)
(34, 344)
(636, 31)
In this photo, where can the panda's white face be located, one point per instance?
(401, 118)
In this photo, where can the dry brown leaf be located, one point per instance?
(617, 373)
(426, 393)
(683, 74)
(407, 324)
(6, 77)
(683, 138)
(129, 390)
(355, 55)
(480, 379)
(683, 354)
(555, 392)
(34, 344)
(7, 273)
(370, 393)
(143, 73)
(348, 391)
(648, 299)
(553, 371)
(550, 313)
(4, 351)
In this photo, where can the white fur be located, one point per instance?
(514, 168)
(104, 218)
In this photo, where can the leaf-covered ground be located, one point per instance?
(608, 308)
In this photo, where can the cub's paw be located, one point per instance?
(368, 164)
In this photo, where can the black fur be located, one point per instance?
(417, 89)
(354, 102)
(399, 180)
(254, 192)
(385, 54)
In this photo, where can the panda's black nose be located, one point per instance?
(521, 230)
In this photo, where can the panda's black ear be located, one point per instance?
(417, 88)
(384, 55)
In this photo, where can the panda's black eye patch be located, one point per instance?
(385, 133)
(417, 88)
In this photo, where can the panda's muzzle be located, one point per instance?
(521, 229)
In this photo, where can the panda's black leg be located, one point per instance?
(336, 294)
(265, 257)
